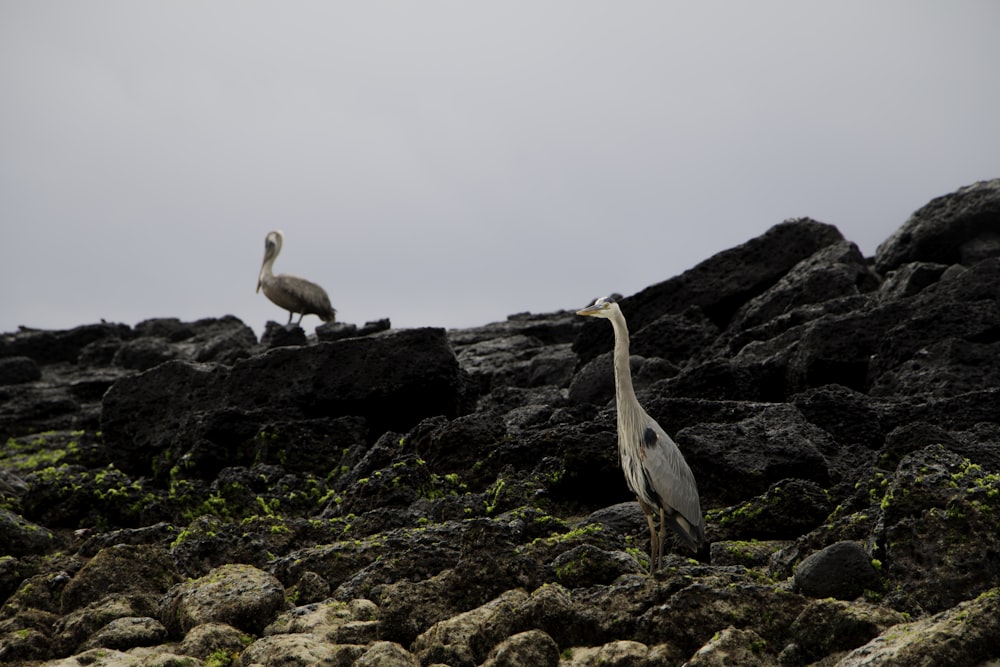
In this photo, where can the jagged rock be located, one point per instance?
(548, 328)
(36, 593)
(391, 380)
(753, 553)
(909, 279)
(842, 571)
(280, 335)
(595, 381)
(957, 228)
(238, 595)
(354, 622)
(25, 645)
(299, 649)
(48, 347)
(386, 654)
(143, 353)
(36, 408)
(746, 457)
(843, 413)
(517, 361)
(787, 509)
(18, 370)
(935, 506)
(963, 635)
(955, 309)
(466, 639)
(208, 639)
(532, 648)
(733, 647)
(133, 570)
(329, 331)
(947, 368)
(21, 537)
(830, 626)
(676, 338)
(74, 628)
(75, 496)
(834, 271)
(587, 565)
(719, 285)
(128, 632)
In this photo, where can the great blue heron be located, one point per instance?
(655, 469)
(294, 294)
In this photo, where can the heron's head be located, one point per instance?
(602, 307)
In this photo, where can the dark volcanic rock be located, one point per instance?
(842, 571)
(16, 370)
(832, 272)
(719, 285)
(392, 381)
(958, 228)
(47, 347)
(746, 457)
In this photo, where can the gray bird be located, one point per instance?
(655, 469)
(294, 294)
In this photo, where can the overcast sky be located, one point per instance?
(451, 163)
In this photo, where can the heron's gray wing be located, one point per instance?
(670, 477)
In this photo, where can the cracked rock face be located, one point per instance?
(180, 493)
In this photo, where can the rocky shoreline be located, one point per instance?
(182, 493)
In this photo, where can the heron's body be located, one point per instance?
(654, 467)
(294, 294)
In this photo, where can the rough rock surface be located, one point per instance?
(180, 493)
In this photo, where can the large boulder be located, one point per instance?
(48, 347)
(392, 381)
(962, 227)
(720, 285)
(237, 595)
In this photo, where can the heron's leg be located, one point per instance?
(290, 313)
(654, 546)
(654, 543)
(299, 323)
(662, 535)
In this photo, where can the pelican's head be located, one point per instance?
(605, 306)
(272, 246)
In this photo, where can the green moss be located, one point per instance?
(493, 495)
(575, 534)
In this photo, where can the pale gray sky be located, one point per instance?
(450, 163)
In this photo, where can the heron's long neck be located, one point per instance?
(624, 393)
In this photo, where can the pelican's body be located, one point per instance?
(294, 294)
(654, 467)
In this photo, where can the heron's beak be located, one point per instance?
(589, 310)
(258, 285)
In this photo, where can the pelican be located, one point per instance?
(294, 294)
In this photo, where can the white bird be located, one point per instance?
(655, 469)
(294, 294)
